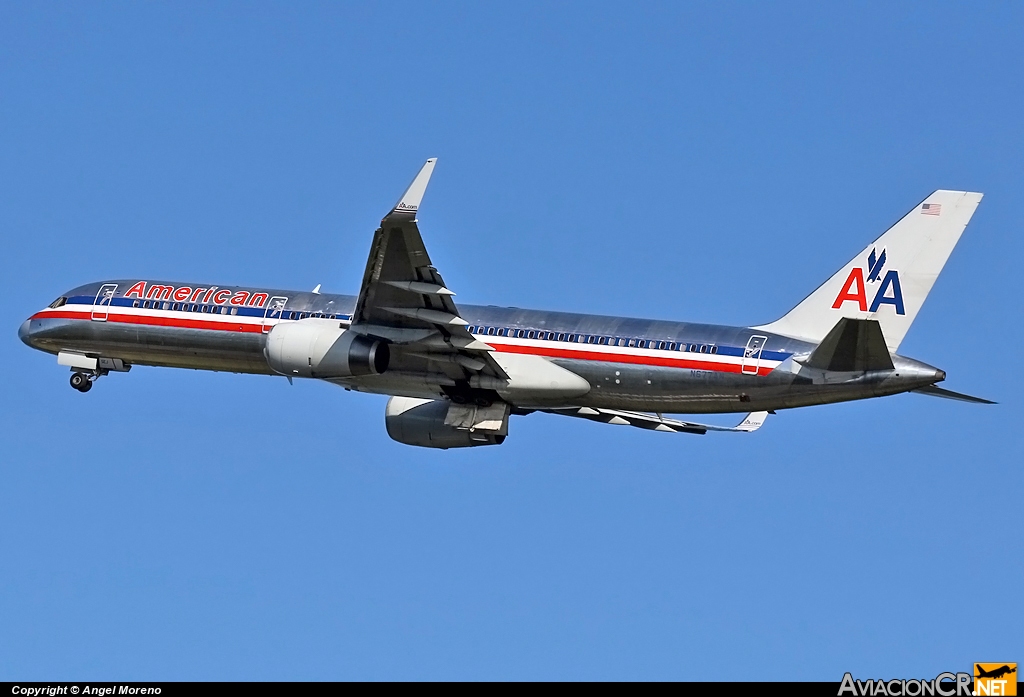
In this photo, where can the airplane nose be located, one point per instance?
(25, 332)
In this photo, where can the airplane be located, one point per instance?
(456, 374)
(995, 673)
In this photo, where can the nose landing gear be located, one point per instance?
(82, 382)
(85, 369)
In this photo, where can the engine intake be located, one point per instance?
(421, 422)
(320, 348)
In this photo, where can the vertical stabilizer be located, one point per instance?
(888, 281)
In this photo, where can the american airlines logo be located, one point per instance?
(218, 296)
(887, 292)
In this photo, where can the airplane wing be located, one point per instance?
(655, 422)
(404, 299)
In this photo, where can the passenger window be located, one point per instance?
(561, 337)
(490, 331)
(530, 335)
(703, 348)
(234, 310)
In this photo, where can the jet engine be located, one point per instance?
(421, 422)
(320, 348)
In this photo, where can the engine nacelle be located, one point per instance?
(421, 422)
(320, 348)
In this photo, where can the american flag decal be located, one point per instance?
(931, 208)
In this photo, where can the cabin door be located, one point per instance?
(752, 355)
(275, 308)
(101, 305)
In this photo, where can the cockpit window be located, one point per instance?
(59, 302)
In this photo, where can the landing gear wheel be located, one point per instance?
(81, 382)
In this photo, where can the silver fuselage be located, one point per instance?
(636, 364)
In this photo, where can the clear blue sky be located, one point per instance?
(706, 162)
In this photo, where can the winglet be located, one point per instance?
(413, 196)
(753, 421)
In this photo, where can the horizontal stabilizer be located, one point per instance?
(934, 391)
(656, 422)
(853, 345)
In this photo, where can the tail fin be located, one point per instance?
(890, 279)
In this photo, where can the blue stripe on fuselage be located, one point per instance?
(732, 351)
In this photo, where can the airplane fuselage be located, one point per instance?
(626, 363)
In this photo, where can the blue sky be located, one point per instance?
(697, 162)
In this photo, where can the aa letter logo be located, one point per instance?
(995, 679)
(886, 288)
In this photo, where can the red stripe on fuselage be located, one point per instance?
(550, 352)
(685, 363)
(154, 321)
